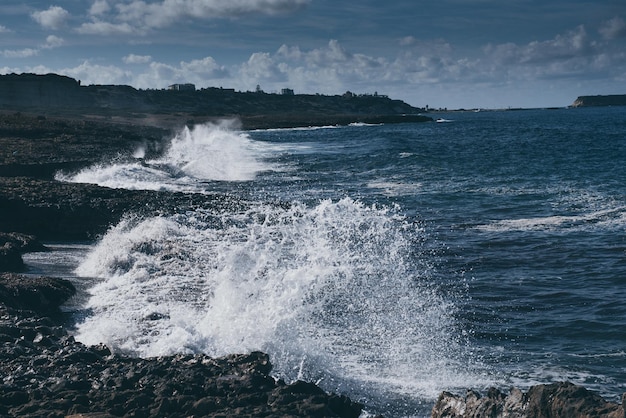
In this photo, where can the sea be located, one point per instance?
(385, 262)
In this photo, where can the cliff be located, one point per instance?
(54, 95)
(611, 100)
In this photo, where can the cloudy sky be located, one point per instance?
(442, 53)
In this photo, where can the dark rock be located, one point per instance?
(556, 400)
(14, 398)
(204, 406)
(11, 259)
(67, 211)
(101, 350)
(12, 246)
(22, 242)
(41, 294)
(64, 377)
(343, 406)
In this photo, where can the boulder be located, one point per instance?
(11, 258)
(22, 242)
(555, 400)
(12, 246)
(39, 294)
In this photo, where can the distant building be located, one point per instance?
(287, 92)
(183, 87)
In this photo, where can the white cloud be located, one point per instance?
(206, 68)
(407, 41)
(202, 72)
(137, 59)
(161, 14)
(614, 28)
(105, 28)
(99, 7)
(330, 70)
(289, 52)
(53, 42)
(4, 29)
(89, 73)
(564, 55)
(22, 53)
(53, 18)
(419, 65)
(261, 67)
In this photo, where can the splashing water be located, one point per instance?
(335, 292)
(209, 152)
(331, 292)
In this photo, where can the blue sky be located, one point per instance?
(444, 53)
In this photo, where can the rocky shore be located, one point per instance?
(556, 400)
(46, 373)
(61, 96)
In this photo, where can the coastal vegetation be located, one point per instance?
(56, 95)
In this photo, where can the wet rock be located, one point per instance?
(22, 242)
(41, 294)
(11, 259)
(60, 211)
(66, 378)
(12, 246)
(556, 400)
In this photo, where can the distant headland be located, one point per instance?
(610, 100)
(62, 96)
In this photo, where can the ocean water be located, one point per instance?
(384, 262)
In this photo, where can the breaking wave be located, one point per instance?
(210, 152)
(334, 293)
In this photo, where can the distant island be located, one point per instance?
(610, 100)
(62, 96)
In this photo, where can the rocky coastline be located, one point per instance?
(46, 373)
(54, 95)
(600, 100)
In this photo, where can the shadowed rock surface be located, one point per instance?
(33, 149)
(556, 400)
(42, 295)
(12, 246)
(46, 373)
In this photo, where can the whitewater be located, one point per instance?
(384, 262)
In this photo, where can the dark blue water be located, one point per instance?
(403, 260)
(527, 211)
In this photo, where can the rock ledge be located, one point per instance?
(556, 400)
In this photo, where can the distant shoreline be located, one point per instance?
(595, 101)
(60, 96)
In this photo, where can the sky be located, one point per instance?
(441, 54)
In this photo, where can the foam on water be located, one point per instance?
(210, 152)
(334, 293)
(603, 219)
(389, 187)
(302, 128)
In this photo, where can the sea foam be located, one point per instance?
(332, 292)
(209, 152)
